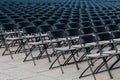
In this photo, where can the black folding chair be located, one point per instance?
(116, 36)
(8, 30)
(34, 44)
(60, 37)
(73, 38)
(101, 37)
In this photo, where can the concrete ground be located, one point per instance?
(16, 69)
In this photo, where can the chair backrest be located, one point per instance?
(86, 19)
(24, 24)
(97, 23)
(9, 27)
(87, 30)
(54, 17)
(117, 21)
(106, 22)
(99, 29)
(43, 18)
(57, 34)
(74, 20)
(15, 16)
(86, 24)
(72, 32)
(51, 21)
(89, 38)
(112, 27)
(45, 28)
(30, 30)
(3, 17)
(60, 26)
(74, 25)
(31, 18)
(4, 21)
(104, 36)
(17, 20)
(105, 17)
(116, 34)
(63, 20)
(37, 22)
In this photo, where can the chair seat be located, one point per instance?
(112, 52)
(87, 45)
(104, 42)
(57, 40)
(98, 55)
(31, 36)
(64, 49)
(54, 40)
(13, 32)
(90, 44)
(62, 39)
(44, 35)
(76, 46)
(117, 39)
(22, 37)
(15, 38)
(37, 43)
(73, 38)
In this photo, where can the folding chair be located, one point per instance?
(116, 36)
(59, 35)
(73, 39)
(41, 44)
(8, 30)
(101, 37)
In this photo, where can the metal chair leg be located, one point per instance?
(60, 66)
(91, 70)
(104, 59)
